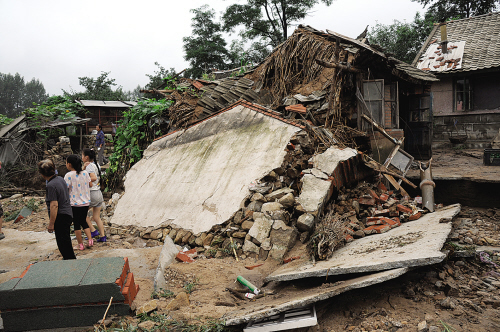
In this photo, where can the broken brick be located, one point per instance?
(384, 212)
(366, 201)
(440, 58)
(384, 197)
(349, 238)
(415, 216)
(182, 257)
(382, 187)
(403, 209)
(369, 230)
(382, 228)
(373, 194)
(288, 260)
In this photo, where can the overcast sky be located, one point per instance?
(57, 41)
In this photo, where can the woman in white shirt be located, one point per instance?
(96, 199)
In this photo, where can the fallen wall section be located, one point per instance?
(197, 178)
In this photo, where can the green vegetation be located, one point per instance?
(444, 10)
(162, 293)
(189, 286)
(4, 120)
(100, 88)
(447, 327)
(139, 127)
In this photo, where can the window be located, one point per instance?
(373, 94)
(463, 95)
(391, 106)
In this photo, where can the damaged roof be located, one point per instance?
(473, 44)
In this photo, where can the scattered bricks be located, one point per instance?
(366, 201)
(436, 66)
(185, 238)
(384, 197)
(382, 187)
(369, 230)
(403, 209)
(348, 238)
(382, 228)
(440, 58)
(372, 221)
(390, 203)
(416, 216)
(384, 212)
(391, 223)
(290, 146)
(349, 231)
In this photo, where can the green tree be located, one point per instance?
(447, 9)
(205, 49)
(157, 78)
(267, 20)
(16, 95)
(402, 39)
(100, 88)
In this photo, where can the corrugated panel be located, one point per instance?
(101, 103)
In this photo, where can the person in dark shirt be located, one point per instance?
(59, 208)
(100, 141)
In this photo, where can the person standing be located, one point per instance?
(100, 142)
(59, 208)
(79, 184)
(96, 199)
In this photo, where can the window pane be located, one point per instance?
(372, 90)
(375, 109)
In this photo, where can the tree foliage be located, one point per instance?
(447, 9)
(138, 128)
(402, 39)
(16, 95)
(205, 49)
(157, 78)
(100, 88)
(267, 20)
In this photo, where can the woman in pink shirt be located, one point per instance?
(79, 184)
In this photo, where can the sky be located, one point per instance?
(57, 41)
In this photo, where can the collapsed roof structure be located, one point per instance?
(255, 162)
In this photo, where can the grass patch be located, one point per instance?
(165, 293)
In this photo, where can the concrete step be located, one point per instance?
(81, 285)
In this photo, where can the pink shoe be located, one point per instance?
(91, 242)
(81, 246)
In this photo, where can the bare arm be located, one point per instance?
(93, 177)
(54, 208)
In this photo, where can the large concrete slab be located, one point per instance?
(197, 178)
(414, 243)
(294, 296)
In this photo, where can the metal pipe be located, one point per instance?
(427, 185)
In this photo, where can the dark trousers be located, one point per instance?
(63, 237)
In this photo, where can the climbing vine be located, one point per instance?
(140, 126)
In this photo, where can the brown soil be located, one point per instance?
(470, 285)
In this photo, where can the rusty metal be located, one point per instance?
(427, 185)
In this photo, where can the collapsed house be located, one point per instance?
(264, 174)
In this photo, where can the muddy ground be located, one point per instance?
(460, 293)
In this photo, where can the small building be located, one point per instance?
(103, 112)
(465, 55)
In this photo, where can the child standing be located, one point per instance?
(79, 184)
(96, 199)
